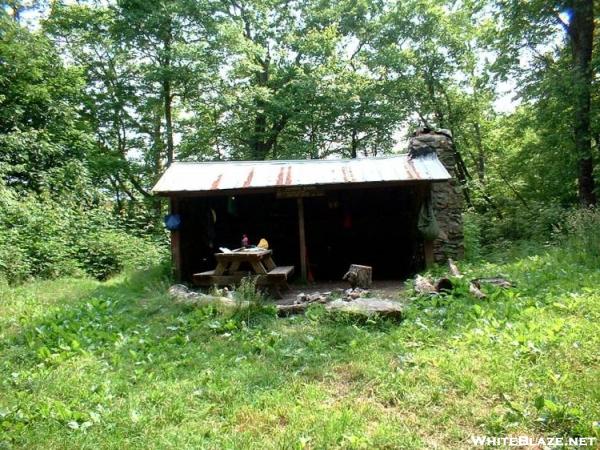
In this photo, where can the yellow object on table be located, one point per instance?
(263, 244)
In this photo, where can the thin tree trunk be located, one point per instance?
(354, 144)
(169, 121)
(259, 147)
(437, 111)
(581, 34)
(157, 155)
(480, 154)
(168, 96)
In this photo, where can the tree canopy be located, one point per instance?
(100, 96)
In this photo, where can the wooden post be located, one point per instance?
(429, 260)
(303, 271)
(175, 241)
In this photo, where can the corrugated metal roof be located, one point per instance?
(241, 175)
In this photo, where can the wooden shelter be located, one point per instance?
(319, 216)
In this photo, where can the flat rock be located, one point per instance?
(367, 307)
(183, 294)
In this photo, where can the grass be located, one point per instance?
(119, 365)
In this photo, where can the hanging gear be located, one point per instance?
(427, 224)
(172, 222)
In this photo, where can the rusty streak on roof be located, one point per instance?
(212, 177)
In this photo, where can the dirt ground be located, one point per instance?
(385, 289)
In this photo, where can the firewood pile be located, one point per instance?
(323, 297)
(427, 285)
(352, 301)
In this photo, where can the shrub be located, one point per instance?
(247, 291)
(105, 252)
(579, 234)
(534, 222)
(472, 235)
(42, 237)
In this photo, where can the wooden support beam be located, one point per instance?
(429, 259)
(176, 262)
(301, 233)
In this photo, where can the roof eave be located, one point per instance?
(272, 189)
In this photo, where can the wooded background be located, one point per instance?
(98, 97)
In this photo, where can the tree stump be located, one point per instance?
(359, 276)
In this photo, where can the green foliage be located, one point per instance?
(472, 230)
(41, 134)
(119, 364)
(579, 233)
(108, 251)
(534, 222)
(41, 237)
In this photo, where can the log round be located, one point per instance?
(359, 276)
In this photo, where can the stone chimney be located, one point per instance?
(447, 198)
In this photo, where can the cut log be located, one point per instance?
(454, 269)
(182, 294)
(475, 291)
(359, 276)
(288, 310)
(444, 284)
(361, 306)
(474, 288)
(424, 285)
(496, 281)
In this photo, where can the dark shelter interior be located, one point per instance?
(375, 226)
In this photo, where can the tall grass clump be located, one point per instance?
(253, 304)
(579, 235)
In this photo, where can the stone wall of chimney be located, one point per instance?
(447, 198)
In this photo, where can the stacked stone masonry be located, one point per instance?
(446, 196)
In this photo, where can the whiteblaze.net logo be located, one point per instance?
(518, 441)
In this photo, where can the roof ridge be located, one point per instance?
(303, 161)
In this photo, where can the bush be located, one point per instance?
(247, 291)
(45, 238)
(103, 253)
(579, 235)
(472, 235)
(534, 222)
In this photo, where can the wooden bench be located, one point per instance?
(281, 272)
(275, 277)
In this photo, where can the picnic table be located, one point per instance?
(258, 262)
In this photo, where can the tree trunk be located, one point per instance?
(260, 127)
(259, 147)
(157, 154)
(581, 34)
(168, 98)
(480, 154)
(167, 94)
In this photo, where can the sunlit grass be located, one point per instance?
(120, 365)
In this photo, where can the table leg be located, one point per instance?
(221, 268)
(235, 265)
(269, 263)
(259, 268)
